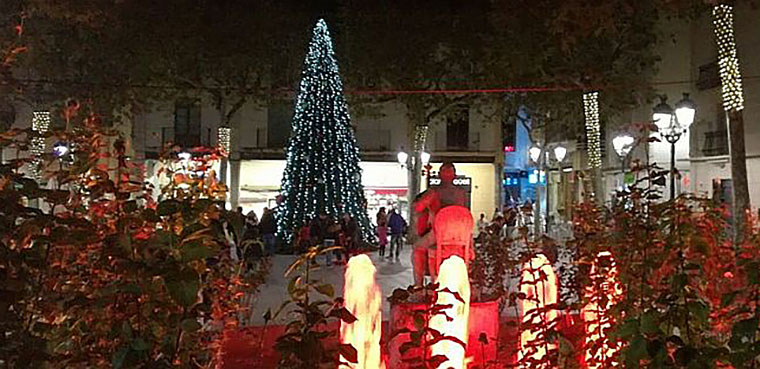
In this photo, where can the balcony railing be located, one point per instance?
(716, 143)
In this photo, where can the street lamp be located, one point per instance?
(425, 156)
(535, 153)
(402, 158)
(623, 144)
(559, 153)
(672, 125)
(60, 149)
(686, 109)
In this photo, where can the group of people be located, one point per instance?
(504, 223)
(260, 230)
(327, 231)
(396, 224)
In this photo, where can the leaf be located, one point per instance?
(326, 289)
(190, 325)
(699, 310)
(650, 323)
(728, 298)
(117, 360)
(349, 353)
(436, 360)
(130, 206)
(168, 207)
(195, 250)
(183, 286)
(742, 333)
(343, 314)
(636, 351)
(483, 338)
(139, 344)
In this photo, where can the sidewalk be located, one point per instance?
(390, 275)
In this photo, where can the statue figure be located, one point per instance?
(426, 207)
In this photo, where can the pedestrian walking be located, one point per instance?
(482, 225)
(268, 229)
(397, 225)
(382, 230)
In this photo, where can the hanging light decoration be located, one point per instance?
(593, 130)
(40, 126)
(728, 61)
(223, 138)
(420, 135)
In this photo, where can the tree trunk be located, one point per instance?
(419, 128)
(738, 172)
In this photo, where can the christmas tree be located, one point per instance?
(322, 174)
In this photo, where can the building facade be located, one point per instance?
(469, 137)
(689, 65)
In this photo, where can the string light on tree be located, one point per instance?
(593, 130)
(730, 74)
(322, 174)
(40, 126)
(223, 137)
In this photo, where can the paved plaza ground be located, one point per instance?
(391, 274)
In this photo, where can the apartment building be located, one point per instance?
(468, 136)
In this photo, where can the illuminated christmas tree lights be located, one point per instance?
(322, 174)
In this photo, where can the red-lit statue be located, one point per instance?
(427, 207)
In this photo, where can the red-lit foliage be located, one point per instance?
(94, 273)
(691, 294)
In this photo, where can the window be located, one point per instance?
(279, 116)
(716, 141)
(187, 123)
(508, 133)
(458, 128)
(709, 76)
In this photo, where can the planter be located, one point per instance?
(484, 318)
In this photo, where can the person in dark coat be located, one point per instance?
(397, 224)
(268, 229)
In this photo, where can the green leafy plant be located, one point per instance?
(305, 343)
(416, 351)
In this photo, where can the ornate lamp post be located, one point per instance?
(623, 144)
(671, 128)
(426, 167)
(536, 155)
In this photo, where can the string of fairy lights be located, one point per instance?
(728, 61)
(593, 129)
(420, 136)
(223, 138)
(40, 126)
(322, 174)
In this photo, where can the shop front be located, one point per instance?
(385, 185)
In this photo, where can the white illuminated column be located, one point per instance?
(593, 129)
(730, 74)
